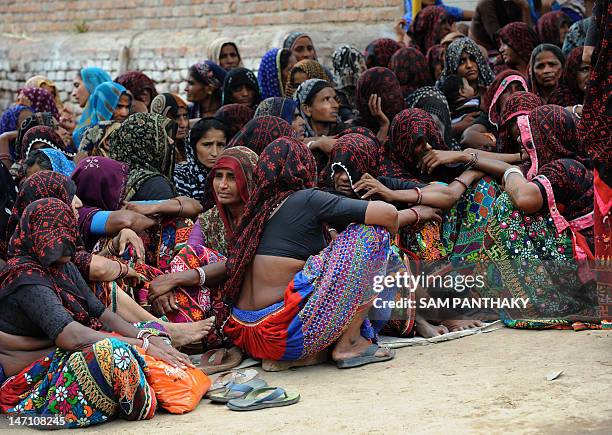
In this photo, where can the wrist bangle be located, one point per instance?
(419, 195)
(574, 111)
(202, 276)
(472, 161)
(418, 217)
(180, 206)
(459, 180)
(143, 333)
(145, 343)
(511, 170)
(309, 144)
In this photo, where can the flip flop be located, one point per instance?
(237, 376)
(220, 360)
(237, 391)
(367, 357)
(258, 399)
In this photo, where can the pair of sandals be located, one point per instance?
(243, 390)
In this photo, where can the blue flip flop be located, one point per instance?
(367, 357)
(258, 399)
(237, 391)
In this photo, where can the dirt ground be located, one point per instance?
(486, 383)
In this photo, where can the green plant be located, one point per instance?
(81, 27)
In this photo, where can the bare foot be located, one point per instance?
(347, 350)
(270, 365)
(187, 333)
(460, 325)
(425, 329)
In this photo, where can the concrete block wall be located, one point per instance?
(163, 38)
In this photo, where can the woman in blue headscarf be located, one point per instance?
(48, 159)
(86, 81)
(273, 72)
(109, 101)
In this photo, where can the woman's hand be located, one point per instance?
(158, 349)
(128, 237)
(165, 304)
(144, 209)
(324, 143)
(375, 106)
(435, 158)
(160, 285)
(427, 213)
(67, 119)
(373, 187)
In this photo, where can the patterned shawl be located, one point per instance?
(424, 29)
(259, 132)
(47, 231)
(548, 27)
(312, 69)
(100, 107)
(215, 47)
(234, 116)
(93, 76)
(497, 88)
(356, 154)
(568, 93)
(137, 83)
(146, 162)
(43, 82)
(42, 184)
(549, 133)
(47, 135)
(348, 64)
(292, 38)
(269, 75)
(241, 161)
(280, 107)
(380, 81)
(596, 126)
(576, 35)
(168, 105)
(40, 100)
(517, 104)
(236, 78)
(407, 128)
(379, 52)
(59, 162)
(410, 68)
(284, 167)
(452, 60)
(40, 118)
(520, 37)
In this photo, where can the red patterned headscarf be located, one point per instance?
(379, 52)
(260, 132)
(435, 56)
(520, 37)
(548, 27)
(411, 69)
(499, 85)
(425, 27)
(518, 104)
(356, 154)
(549, 133)
(568, 93)
(137, 83)
(234, 116)
(284, 167)
(407, 128)
(46, 232)
(380, 81)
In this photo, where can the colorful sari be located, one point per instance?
(542, 256)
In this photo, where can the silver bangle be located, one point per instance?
(145, 343)
(511, 170)
(202, 276)
(309, 144)
(574, 111)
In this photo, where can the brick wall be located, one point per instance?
(163, 37)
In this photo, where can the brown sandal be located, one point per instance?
(219, 360)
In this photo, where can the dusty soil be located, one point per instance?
(486, 383)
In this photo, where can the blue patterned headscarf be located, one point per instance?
(59, 162)
(92, 76)
(269, 75)
(100, 107)
(280, 107)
